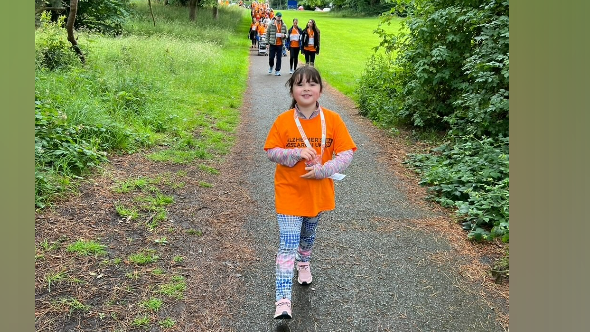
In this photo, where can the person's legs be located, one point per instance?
(279, 58)
(289, 233)
(311, 58)
(294, 57)
(306, 241)
(306, 54)
(291, 57)
(307, 238)
(271, 56)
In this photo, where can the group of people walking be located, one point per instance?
(280, 39)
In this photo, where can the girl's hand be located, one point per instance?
(310, 174)
(308, 154)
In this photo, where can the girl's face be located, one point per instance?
(310, 24)
(305, 93)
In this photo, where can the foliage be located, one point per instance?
(61, 147)
(52, 49)
(472, 176)
(135, 91)
(378, 103)
(450, 73)
(483, 107)
(104, 16)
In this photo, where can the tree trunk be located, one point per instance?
(215, 12)
(70, 29)
(192, 14)
(152, 12)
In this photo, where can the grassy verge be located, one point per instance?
(177, 85)
(346, 45)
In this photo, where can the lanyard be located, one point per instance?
(302, 132)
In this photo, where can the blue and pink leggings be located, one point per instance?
(297, 235)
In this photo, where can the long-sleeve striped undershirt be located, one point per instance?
(290, 157)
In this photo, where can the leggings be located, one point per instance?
(293, 57)
(297, 235)
(309, 57)
(253, 35)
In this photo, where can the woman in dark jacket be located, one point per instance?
(294, 34)
(310, 42)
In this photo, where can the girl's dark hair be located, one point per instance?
(313, 26)
(305, 73)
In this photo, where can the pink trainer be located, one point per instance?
(283, 310)
(303, 273)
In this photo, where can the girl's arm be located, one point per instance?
(336, 165)
(285, 157)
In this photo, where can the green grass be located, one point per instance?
(130, 213)
(73, 305)
(167, 323)
(55, 277)
(131, 184)
(143, 258)
(345, 45)
(175, 288)
(153, 304)
(141, 321)
(86, 248)
(209, 169)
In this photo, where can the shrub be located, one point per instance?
(472, 176)
(52, 49)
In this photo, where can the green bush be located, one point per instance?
(61, 150)
(472, 176)
(451, 74)
(376, 89)
(52, 49)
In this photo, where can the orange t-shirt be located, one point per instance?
(294, 42)
(295, 195)
(308, 47)
(279, 40)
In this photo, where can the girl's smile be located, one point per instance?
(306, 94)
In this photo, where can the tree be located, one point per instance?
(192, 13)
(70, 29)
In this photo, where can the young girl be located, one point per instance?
(294, 34)
(302, 141)
(310, 42)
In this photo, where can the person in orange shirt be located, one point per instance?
(294, 35)
(310, 42)
(310, 145)
(254, 32)
(261, 29)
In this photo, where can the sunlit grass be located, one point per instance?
(345, 45)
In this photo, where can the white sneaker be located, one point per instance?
(290, 71)
(270, 70)
(277, 73)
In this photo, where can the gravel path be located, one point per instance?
(372, 270)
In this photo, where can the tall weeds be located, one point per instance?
(174, 82)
